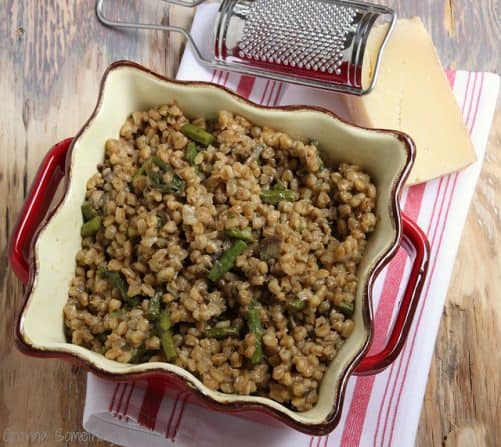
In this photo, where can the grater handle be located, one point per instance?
(105, 20)
(229, 35)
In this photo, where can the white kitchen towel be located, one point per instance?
(380, 410)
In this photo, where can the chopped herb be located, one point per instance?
(155, 177)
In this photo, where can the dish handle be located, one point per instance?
(36, 205)
(415, 242)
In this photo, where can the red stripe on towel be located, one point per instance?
(470, 121)
(186, 397)
(277, 96)
(264, 92)
(435, 202)
(363, 387)
(126, 411)
(172, 413)
(119, 403)
(113, 396)
(432, 231)
(245, 85)
(436, 230)
(151, 404)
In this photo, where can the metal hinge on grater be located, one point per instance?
(316, 43)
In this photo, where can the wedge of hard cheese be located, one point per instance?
(412, 94)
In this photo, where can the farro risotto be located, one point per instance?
(226, 248)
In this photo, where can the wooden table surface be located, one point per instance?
(52, 56)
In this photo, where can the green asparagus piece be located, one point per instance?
(243, 235)
(275, 196)
(191, 153)
(164, 323)
(198, 134)
(222, 332)
(255, 326)
(153, 311)
(345, 307)
(163, 326)
(116, 280)
(297, 304)
(91, 227)
(227, 260)
(88, 211)
(168, 346)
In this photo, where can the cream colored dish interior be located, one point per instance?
(128, 89)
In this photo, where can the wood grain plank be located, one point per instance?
(56, 50)
(466, 34)
(53, 55)
(462, 403)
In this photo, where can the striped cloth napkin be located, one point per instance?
(380, 410)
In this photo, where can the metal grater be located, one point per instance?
(316, 43)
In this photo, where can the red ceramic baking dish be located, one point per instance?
(43, 244)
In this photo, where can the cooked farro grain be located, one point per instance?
(231, 252)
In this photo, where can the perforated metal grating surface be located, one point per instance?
(298, 33)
